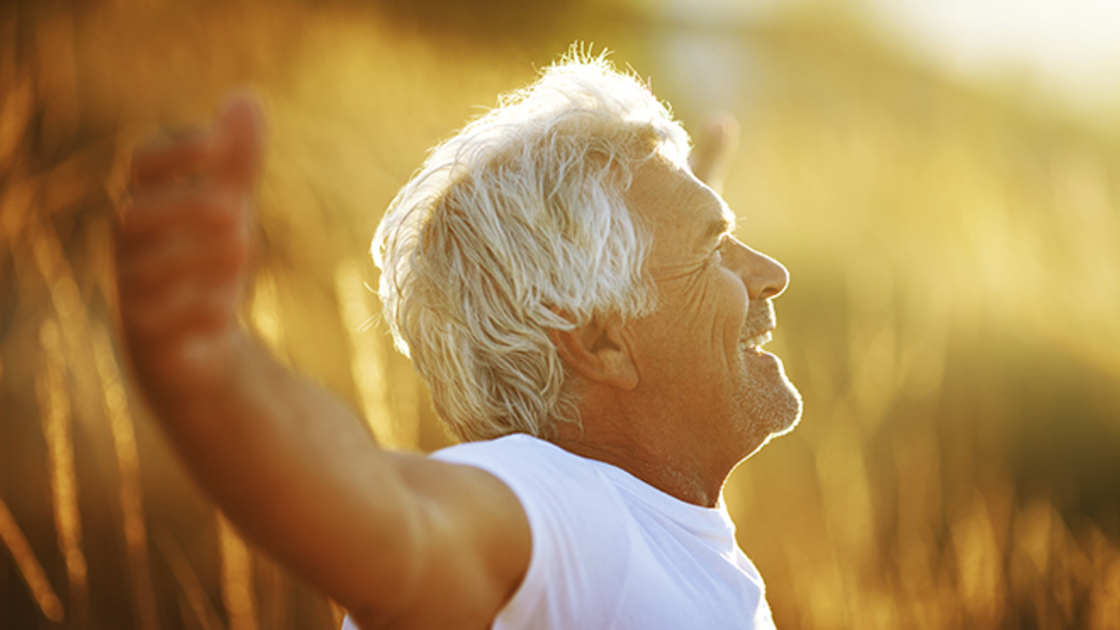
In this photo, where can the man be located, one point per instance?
(574, 298)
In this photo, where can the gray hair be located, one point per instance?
(517, 225)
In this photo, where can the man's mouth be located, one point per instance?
(754, 344)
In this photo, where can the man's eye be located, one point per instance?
(716, 256)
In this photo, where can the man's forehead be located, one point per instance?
(685, 213)
(662, 186)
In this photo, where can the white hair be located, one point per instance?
(517, 225)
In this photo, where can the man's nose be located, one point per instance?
(763, 276)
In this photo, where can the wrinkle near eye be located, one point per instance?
(668, 273)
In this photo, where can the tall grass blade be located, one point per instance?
(366, 361)
(237, 578)
(128, 462)
(54, 404)
(265, 314)
(29, 567)
(189, 583)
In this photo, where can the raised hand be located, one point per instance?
(715, 146)
(184, 251)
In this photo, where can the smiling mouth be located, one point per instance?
(754, 344)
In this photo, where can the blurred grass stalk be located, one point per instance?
(29, 567)
(130, 493)
(195, 608)
(366, 362)
(54, 403)
(238, 585)
(265, 315)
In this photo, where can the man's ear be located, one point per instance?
(598, 351)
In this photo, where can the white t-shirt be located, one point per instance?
(612, 552)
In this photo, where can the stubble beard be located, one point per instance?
(770, 406)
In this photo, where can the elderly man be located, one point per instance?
(587, 325)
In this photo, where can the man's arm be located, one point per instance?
(400, 540)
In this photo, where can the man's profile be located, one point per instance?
(587, 324)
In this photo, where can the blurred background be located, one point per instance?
(942, 180)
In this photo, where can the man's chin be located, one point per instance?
(774, 411)
(785, 413)
(793, 419)
(779, 409)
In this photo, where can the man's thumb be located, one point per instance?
(240, 132)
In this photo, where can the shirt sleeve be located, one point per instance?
(580, 550)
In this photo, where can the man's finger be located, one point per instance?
(240, 142)
(162, 210)
(170, 157)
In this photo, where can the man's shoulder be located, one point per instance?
(575, 515)
(513, 443)
(555, 487)
(520, 459)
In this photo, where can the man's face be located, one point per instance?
(699, 354)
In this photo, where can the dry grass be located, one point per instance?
(28, 565)
(956, 274)
(54, 402)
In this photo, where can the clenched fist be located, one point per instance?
(184, 250)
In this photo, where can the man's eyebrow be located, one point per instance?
(719, 225)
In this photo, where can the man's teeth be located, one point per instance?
(755, 343)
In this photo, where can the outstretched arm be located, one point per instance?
(292, 466)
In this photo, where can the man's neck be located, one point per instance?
(684, 478)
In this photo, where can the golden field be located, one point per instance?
(953, 319)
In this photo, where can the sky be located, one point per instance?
(1068, 50)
